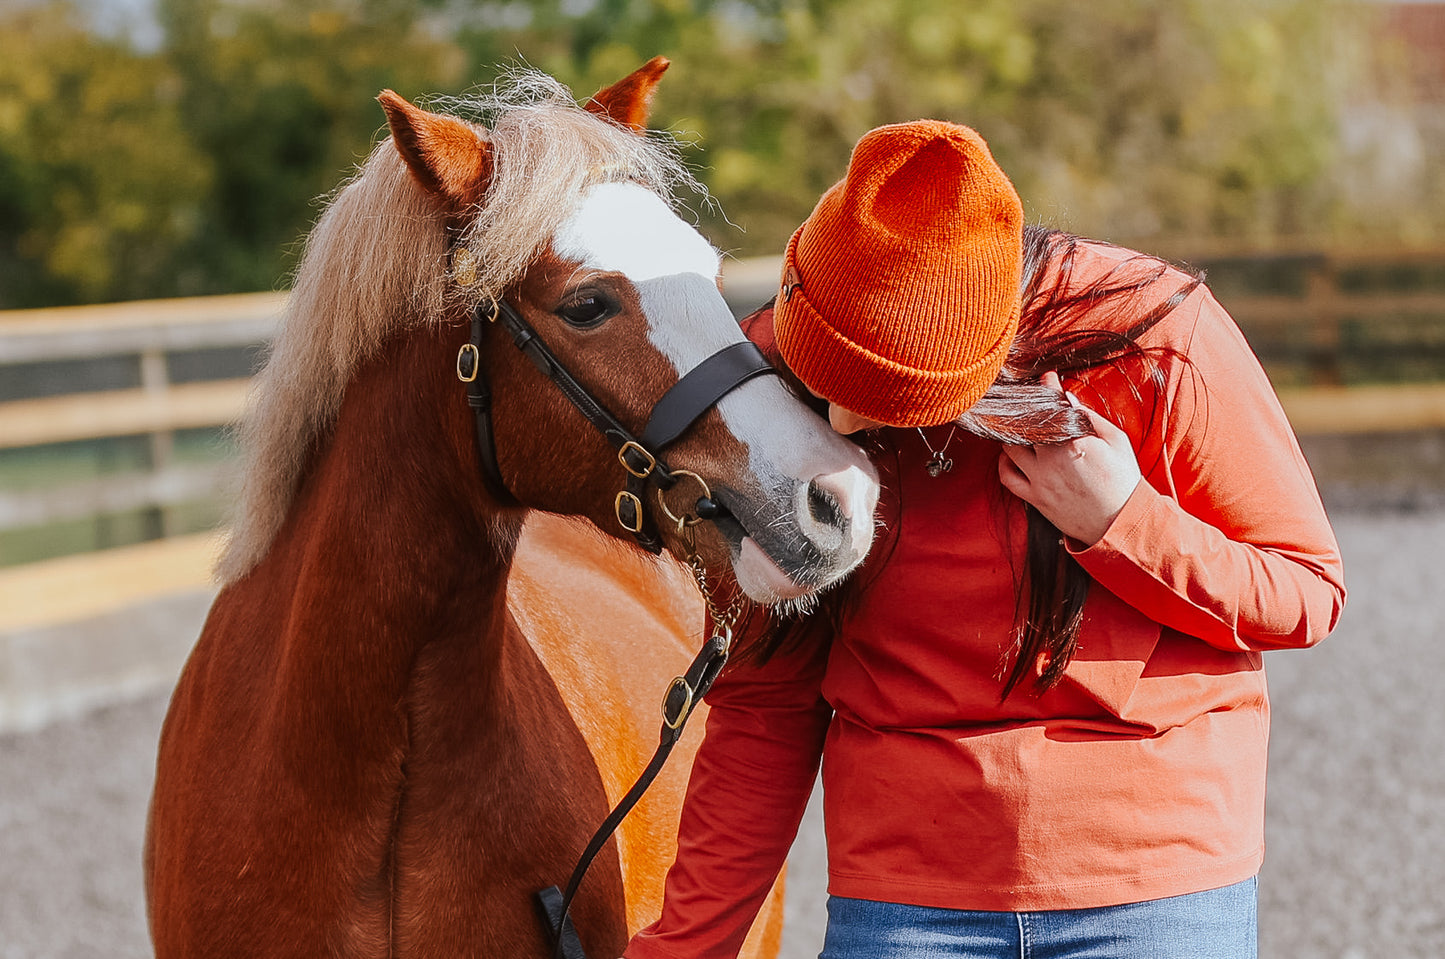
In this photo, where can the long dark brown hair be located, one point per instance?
(1018, 409)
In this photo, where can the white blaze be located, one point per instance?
(626, 228)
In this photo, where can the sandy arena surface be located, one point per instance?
(1356, 819)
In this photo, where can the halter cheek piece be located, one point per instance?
(685, 401)
(688, 399)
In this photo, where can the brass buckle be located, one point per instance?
(633, 446)
(469, 349)
(675, 722)
(623, 496)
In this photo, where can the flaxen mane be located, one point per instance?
(377, 263)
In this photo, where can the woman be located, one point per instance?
(1040, 706)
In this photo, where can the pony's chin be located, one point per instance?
(762, 579)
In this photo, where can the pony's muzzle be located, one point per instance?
(835, 513)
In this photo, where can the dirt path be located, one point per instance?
(1356, 823)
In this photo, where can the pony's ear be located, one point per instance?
(629, 100)
(447, 156)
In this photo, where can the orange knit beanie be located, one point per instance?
(900, 292)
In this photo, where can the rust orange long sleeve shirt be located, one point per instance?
(1140, 775)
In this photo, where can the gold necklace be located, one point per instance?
(937, 462)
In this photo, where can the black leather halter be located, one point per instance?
(685, 401)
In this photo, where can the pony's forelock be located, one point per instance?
(377, 263)
(547, 152)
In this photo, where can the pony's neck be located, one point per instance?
(390, 540)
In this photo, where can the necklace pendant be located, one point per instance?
(938, 464)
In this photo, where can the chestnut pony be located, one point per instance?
(411, 703)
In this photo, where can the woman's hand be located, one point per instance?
(1080, 485)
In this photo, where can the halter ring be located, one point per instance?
(689, 520)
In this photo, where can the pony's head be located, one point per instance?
(563, 213)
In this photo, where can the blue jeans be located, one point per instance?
(1217, 924)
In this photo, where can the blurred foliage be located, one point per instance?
(279, 97)
(194, 167)
(100, 184)
(1135, 119)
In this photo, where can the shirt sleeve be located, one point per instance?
(749, 787)
(1226, 539)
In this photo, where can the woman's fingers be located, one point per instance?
(1014, 479)
(1080, 485)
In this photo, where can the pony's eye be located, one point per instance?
(587, 309)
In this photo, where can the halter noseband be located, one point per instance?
(684, 402)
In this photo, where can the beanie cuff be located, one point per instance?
(873, 386)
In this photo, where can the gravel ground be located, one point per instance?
(1356, 823)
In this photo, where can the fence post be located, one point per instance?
(155, 380)
(1322, 298)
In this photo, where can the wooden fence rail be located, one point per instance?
(150, 332)
(1314, 323)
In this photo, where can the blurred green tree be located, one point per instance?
(1124, 118)
(279, 97)
(195, 169)
(100, 186)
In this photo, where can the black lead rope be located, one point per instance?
(682, 697)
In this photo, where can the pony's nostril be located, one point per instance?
(824, 508)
